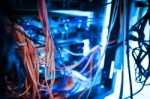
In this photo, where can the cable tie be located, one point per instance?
(22, 44)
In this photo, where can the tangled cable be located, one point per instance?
(142, 73)
(139, 53)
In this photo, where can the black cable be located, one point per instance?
(141, 74)
(122, 72)
(128, 57)
(122, 82)
(137, 91)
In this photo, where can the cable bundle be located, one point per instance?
(139, 53)
(32, 86)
